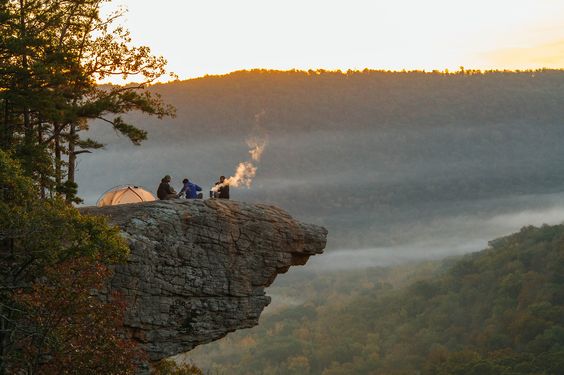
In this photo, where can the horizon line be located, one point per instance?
(318, 71)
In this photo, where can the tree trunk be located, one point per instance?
(72, 155)
(6, 328)
(28, 128)
(58, 162)
(42, 178)
(3, 340)
(6, 141)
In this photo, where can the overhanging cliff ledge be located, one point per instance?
(198, 268)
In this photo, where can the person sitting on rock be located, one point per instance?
(223, 189)
(165, 191)
(191, 190)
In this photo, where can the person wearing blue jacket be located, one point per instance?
(191, 190)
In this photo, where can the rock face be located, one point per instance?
(198, 268)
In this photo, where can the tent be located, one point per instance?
(124, 194)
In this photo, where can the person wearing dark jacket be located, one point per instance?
(190, 189)
(165, 191)
(223, 190)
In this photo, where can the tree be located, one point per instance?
(51, 258)
(52, 53)
(69, 330)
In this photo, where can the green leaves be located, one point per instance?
(134, 134)
(14, 188)
(51, 259)
(52, 52)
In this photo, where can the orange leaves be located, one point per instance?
(71, 329)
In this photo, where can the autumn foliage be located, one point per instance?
(54, 315)
(499, 311)
(69, 329)
(169, 367)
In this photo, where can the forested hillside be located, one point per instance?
(315, 100)
(499, 311)
(371, 155)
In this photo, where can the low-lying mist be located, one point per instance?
(445, 237)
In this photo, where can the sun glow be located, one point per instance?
(200, 38)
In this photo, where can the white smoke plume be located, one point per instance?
(247, 170)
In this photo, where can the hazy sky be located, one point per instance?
(220, 36)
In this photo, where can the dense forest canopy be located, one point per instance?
(499, 311)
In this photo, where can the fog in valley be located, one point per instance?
(397, 167)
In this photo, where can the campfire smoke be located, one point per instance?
(246, 171)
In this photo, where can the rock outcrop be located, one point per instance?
(198, 268)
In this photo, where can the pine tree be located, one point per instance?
(52, 54)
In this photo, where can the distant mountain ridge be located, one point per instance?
(297, 100)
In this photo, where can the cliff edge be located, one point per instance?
(198, 268)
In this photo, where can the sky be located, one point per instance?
(221, 36)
